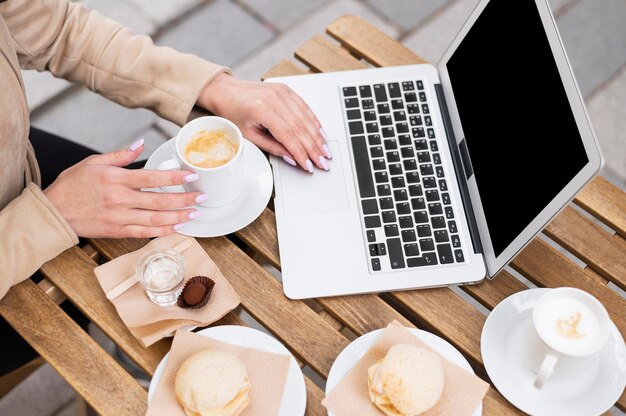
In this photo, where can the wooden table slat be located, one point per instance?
(606, 202)
(366, 41)
(322, 55)
(285, 67)
(94, 374)
(491, 292)
(592, 244)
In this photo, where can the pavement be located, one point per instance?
(251, 36)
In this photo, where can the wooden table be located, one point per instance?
(316, 331)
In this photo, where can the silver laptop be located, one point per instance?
(441, 174)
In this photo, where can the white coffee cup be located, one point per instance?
(223, 183)
(567, 330)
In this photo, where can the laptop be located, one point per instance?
(441, 174)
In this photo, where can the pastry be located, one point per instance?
(212, 383)
(407, 382)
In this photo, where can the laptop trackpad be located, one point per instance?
(321, 192)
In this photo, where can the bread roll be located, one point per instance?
(407, 382)
(212, 383)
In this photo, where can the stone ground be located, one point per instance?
(252, 35)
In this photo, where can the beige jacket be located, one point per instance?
(62, 37)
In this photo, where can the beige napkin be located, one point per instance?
(267, 373)
(462, 391)
(150, 322)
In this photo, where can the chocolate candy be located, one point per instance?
(196, 292)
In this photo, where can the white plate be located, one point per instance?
(593, 393)
(348, 358)
(293, 402)
(242, 211)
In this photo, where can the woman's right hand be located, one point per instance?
(101, 199)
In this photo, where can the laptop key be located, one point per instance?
(418, 204)
(420, 217)
(381, 177)
(410, 97)
(405, 140)
(432, 195)
(366, 91)
(394, 90)
(380, 93)
(445, 253)
(458, 255)
(370, 206)
(393, 156)
(421, 144)
(428, 259)
(431, 133)
(438, 222)
(376, 264)
(396, 104)
(402, 128)
(434, 208)
(427, 244)
(422, 96)
(415, 190)
(386, 203)
(349, 91)
(383, 190)
(385, 120)
(433, 146)
(391, 144)
(377, 249)
(355, 127)
(423, 157)
(383, 108)
(372, 127)
(406, 222)
(371, 236)
(426, 169)
(416, 120)
(407, 152)
(391, 230)
(369, 115)
(372, 221)
(418, 132)
(400, 195)
(399, 116)
(428, 121)
(441, 236)
(395, 169)
(362, 167)
(403, 208)
(388, 131)
(412, 177)
(411, 249)
(389, 216)
(423, 230)
(449, 213)
(452, 227)
(367, 104)
(456, 241)
(439, 170)
(397, 182)
(425, 109)
(413, 108)
(351, 102)
(408, 86)
(354, 114)
(420, 85)
(409, 164)
(376, 151)
(443, 185)
(396, 258)
(436, 158)
(374, 139)
(429, 182)
(445, 197)
(408, 236)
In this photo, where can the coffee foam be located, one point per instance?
(569, 326)
(210, 149)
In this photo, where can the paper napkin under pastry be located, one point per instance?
(267, 372)
(462, 391)
(150, 322)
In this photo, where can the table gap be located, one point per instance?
(593, 219)
(520, 277)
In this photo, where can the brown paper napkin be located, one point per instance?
(267, 373)
(462, 391)
(150, 322)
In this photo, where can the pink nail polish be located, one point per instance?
(202, 198)
(194, 214)
(178, 226)
(326, 151)
(309, 166)
(192, 177)
(289, 160)
(136, 145)
(324, 163)
(323, 133)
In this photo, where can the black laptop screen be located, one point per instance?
(520, 131)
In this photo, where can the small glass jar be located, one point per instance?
(161, 273)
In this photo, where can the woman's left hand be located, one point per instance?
(272, 116)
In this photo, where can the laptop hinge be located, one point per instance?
(459, 170)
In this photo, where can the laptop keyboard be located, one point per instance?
(404, 201)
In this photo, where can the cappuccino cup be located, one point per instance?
(212, 147)
(567, 330)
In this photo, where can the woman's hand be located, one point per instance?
(99, 198)
(272, 116)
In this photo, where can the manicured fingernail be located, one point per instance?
(326, 151)
(136, 145)
(324, 163)
(323, 133)
(309, 166)
(192, 177)
(289, 160)
(194, 214)
(178, 226)
(202, 198)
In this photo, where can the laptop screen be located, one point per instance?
(522, 137)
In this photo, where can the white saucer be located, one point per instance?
(357, 349)
(242, 211)
(293, 402)
(593, 393)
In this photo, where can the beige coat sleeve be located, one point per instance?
(37, 233)
(63, 37)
